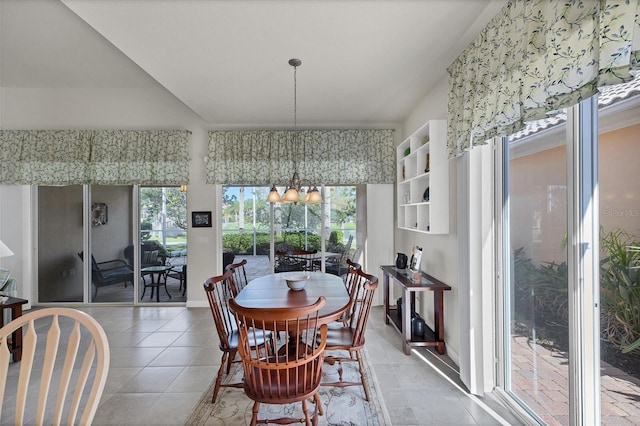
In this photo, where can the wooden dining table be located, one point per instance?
(271, 291)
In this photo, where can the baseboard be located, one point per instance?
(197, 304)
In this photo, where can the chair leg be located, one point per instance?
(216, 388)
(254, 417)
(363, 376)
(232, 357)
(318, 402)
(305, 410)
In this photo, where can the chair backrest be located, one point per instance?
(239, 274)
(219, 290)
(356, 254)
(283, 374)
(362, 287)
(82, 339)
(94, 264)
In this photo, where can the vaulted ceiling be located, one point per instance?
(364, 63)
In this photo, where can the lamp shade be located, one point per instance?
(4, 250)
(313, 196)
(273, 196)
(291, 196)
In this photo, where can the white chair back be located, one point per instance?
(77, 337)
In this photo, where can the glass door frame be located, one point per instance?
(583, 266)
(88, 242)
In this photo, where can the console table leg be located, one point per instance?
(406, 321)
(439, 320)
(16, 312)
(385, 295)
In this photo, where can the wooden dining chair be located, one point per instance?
(350, 336)
(351, 279)
(220, 290)
(287, 374)
(68, 380)
(239, 274)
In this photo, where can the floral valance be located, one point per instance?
(104, 157)
(330, 157)
(535, 57)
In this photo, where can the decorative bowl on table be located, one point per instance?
(296, 281)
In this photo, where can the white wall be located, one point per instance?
(439, 251)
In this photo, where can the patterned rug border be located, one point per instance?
(203, 410)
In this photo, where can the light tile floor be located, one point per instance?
(163, 358)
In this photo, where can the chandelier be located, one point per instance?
(292, 194)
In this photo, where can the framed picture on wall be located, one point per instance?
(99, 214)
(201, 219)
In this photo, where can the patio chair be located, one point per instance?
(101, 275)
(340, 266)
(179, 272)
(295, 260)
(149, 256)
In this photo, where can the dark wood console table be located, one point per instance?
(15, 304)
(404, 278)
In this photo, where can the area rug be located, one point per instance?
(342, 406)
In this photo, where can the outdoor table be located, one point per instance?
(158, 272)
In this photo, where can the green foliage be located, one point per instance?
(145, 226)
(343, 204)
(620, 289)
(242, 243)
(544, 288)
(175, 203)
(336, 237)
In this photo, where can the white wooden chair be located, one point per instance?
(78, 337)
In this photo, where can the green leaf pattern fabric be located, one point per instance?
(144, 157)
(103, 157)
(55, 157)
(536, 57)
(330, 157)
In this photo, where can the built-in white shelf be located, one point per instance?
(423, 180)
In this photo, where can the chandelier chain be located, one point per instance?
(295, 97)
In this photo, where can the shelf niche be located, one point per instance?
(423, 180)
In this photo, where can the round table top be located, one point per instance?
(157, 268)
(271, 291)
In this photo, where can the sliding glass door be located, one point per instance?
(99, 219)
(60, 244)
(162, 250)
(252, 227)
(536, 294)
(571, 263)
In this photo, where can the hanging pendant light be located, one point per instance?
(313, 196)
(292, 194)
(274, 196)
